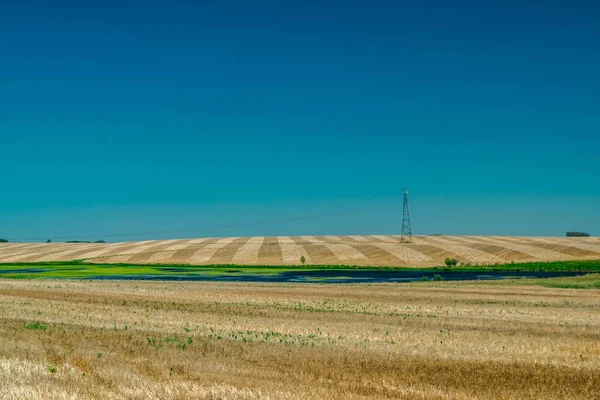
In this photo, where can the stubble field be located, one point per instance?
(82, 339)
(366, 250)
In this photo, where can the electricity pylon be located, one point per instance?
(406, 236)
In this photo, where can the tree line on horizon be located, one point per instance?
(2, 240)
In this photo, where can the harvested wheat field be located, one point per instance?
(139, 340)
(379, 250)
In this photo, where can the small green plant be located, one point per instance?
(303, 260)
(437, 278)
(99, 355)
(51, 369)
(425, 279)
(36, 326)
(450, 262)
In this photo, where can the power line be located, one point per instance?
(214, 227)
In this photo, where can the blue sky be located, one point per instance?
(143, 117)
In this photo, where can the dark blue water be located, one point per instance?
(22, 270)
(345, 276)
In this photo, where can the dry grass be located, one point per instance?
(69, 339)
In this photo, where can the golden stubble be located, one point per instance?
(118, 339)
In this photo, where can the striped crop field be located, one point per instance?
(373, 250)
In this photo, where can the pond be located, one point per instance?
(339, 276)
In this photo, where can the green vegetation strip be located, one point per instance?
(81, 270)
(112, 269)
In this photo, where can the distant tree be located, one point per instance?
(450, 262)
(577, 234)
(99, 241)
(49, 241)
(303, 260)
(3, 241)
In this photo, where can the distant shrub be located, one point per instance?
(450, 262)
(577, 234)
(49, 241)
(437, 278)
(51, 369)
(99, 241)
(303, 260)
(3, 241)
(425, 279)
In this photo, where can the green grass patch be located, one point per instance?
(552, 266)
(591, 281)
(36, 326)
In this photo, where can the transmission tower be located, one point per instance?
(406, 236)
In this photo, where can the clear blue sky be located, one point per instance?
(131, 116)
